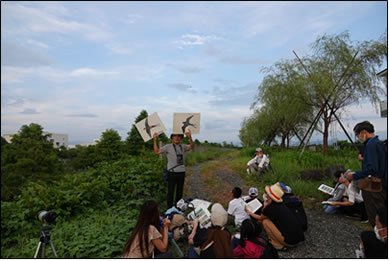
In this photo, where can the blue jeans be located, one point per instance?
(192, 253)
(328, 209)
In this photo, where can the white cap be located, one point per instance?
(253, 192)
(258, 149)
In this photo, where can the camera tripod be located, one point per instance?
(44, 240)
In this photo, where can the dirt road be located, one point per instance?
(328, 236)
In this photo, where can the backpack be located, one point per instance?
(296, 206)
(269, 251)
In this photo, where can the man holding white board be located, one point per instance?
(175, 153)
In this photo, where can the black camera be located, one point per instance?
(180, 159)
(47, 217)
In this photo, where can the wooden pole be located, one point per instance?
(326, 101)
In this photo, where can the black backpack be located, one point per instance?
(269, 252)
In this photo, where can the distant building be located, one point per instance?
(57, 139)
(94, 142)
(384, 104)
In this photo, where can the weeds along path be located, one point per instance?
(328, 236)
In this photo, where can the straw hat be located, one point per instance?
(275, 193)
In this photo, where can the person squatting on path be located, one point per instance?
(148, 234)
(257, 163)
(374, 163)
(175, 153)
(353, 204)
(281, 226)
(339, 190)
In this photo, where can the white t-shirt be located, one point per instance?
(353, 196)
(236, 209)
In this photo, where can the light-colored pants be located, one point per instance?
(253, 168)
(274, 235)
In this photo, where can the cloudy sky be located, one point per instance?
(80, 68)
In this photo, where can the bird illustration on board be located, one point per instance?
(186, 123)
(149, 127)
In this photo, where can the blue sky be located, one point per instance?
(80, 68)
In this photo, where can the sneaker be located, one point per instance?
(365, 221)
(352, 217)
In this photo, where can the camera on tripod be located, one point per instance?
(47, 217)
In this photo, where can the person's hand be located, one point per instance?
(155, 136)
(166, 222)
(349, 176)
(188, 133)
(332, 204)
(360, 157)
(247, 211)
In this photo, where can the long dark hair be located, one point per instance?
(149, 215)
(249, 231)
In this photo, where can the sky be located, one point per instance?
(80, 68)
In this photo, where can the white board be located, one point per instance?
(150, 125)
(184, 121)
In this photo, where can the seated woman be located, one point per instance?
(214, 242)
(339, 190)
(353, 204)
(250, 245)
(148, 234)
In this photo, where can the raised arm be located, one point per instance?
(156, 150)
(189, 135)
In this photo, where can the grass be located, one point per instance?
(287, 166)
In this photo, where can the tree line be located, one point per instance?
(338, 73)
(31, 157)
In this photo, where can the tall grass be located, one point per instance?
(287, 166)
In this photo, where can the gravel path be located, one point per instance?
(328, 236)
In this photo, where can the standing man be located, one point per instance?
(175, 153)
(374, 164)
(259, 162)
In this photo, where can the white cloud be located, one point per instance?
(37, 43)
(194, 39)
(132, 18)
(90, 72)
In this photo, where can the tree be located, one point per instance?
(29, 157)
(332, 56)
(110, 146)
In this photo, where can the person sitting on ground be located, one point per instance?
(295, 205)
(375, 244)
(339, 190)
(258, 163)
(236, 206)
(250, 245)
(353, 204)
(148, 234)
(281, 226)
(213, 242)
(253, 194)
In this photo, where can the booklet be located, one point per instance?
(203, 215)
(326, 189)
(253, 205)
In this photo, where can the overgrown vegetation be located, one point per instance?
(97, 207)
(287, 167)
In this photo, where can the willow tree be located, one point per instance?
(281, 93)
(338, 78)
